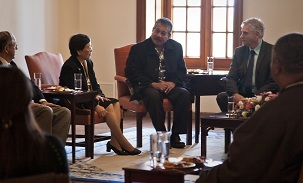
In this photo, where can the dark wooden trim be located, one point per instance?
(166, 10)
(141, 20)
(238, 18)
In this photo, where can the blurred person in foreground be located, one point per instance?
(51, 118)
(80, 47)
(25, 149)
(156, 70)
(242, 82)
(268, 147)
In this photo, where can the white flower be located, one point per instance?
(257, 107)
(259, 98)
(241, 105)
(267, 99)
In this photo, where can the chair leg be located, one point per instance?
(87, 140)
(189, 129)
(139, 116)
(168, 121)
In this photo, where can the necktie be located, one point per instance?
(249, 73)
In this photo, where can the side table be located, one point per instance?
(218, 120)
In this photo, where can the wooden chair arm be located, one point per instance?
(126, 81)
(120, 78)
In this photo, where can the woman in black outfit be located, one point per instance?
(79, 62)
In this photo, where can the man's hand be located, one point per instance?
(49, 104)
(164, 86)
(169, 86)
(238, 97)
(33, 104)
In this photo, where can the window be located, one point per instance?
(203, 27)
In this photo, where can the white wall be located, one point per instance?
(46, 25)
(280, 16)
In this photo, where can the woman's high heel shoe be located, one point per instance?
(133, 152)
(110, 147)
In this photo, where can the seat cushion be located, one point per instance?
(138, 106)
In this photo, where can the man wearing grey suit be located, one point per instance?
(51, 118)
(260, 78)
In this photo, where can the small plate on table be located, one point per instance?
(178, 165)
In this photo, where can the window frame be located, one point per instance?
(206, 31)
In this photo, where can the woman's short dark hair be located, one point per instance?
(77, 42)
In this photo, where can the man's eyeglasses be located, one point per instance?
(14, 45)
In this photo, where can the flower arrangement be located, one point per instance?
(248, 106)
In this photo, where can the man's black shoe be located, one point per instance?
(175, 141)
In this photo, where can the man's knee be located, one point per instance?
(43, 111)
(222, 101)
(43, 116)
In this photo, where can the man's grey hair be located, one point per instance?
(256, 24)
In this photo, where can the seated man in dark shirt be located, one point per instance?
(156, 69)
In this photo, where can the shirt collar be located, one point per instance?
(4, 62)
(258, 48)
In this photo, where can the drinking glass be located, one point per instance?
(78, 81)
(164, 140)
(155, 150)
(231, 106)
(210, 65)
(37, 79)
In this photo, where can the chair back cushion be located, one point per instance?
(49, 64)
(121, 55)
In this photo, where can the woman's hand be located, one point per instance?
(99, 98)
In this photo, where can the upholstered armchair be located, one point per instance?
(49, 64)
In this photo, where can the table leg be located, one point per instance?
(197, 118)
(92, 129)
(227, 139)
(73, 126)
(203, 141)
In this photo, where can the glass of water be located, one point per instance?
(78, 81)
(164, 140)
(210, 65)
(37, 79)
(231, 107)
(155, 150)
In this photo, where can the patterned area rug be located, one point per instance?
(107, 166)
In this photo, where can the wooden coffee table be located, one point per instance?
(218, 120)
(145, 173)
